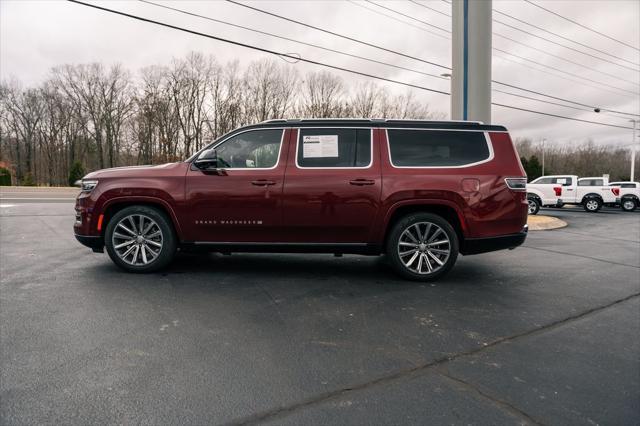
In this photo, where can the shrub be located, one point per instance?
(27, 180)
(76, 173)
(5, 177)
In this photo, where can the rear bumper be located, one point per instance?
(484, 245)
(94, 243)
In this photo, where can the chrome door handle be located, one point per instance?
(262, 182)
(362, 182)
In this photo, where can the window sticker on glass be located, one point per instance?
(320, 146)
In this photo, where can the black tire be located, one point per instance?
(628, 204)
(162, 224)
(423, 250)
(534, 206)
(592, 205)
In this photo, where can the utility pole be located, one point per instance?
(633, 150)
(471, 60)
(543, 142)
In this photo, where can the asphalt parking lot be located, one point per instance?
(545, 334)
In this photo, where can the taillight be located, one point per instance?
(616, 191)
(557, 190)
(516, 184)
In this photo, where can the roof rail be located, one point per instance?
(373, 120)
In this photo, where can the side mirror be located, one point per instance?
(207, 161)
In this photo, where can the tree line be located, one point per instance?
(90, 116)
(587, 159)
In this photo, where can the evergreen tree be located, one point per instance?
(76, 173)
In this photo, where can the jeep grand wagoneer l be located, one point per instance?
(418, 191)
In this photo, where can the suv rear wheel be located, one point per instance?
(592, 205)
(140, 239)
(422, 247)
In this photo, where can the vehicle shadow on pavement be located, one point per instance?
(365, 271)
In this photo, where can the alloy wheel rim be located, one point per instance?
(532, 206)
(424, 248)
(592, 205)
(628, 204)
(137, 240)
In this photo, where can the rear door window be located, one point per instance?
(331, 147)
(436, 148)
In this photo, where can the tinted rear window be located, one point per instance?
(436, 148)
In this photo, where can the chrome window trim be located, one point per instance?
(486, 138)
(298, 166)
(282, 129)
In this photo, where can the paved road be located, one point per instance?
(546, 334)
(12, 195)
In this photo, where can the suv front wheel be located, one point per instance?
(140, 239)
(422, 247)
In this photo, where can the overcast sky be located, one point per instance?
(37, 35)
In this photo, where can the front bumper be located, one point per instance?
(94, 243)
(485, 245)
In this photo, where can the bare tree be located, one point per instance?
(105, 117)
(322, 96)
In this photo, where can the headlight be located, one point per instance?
(88, 185)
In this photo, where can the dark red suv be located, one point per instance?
(418, 191)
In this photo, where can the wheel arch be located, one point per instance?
(113, 206)
(533, 195)
(443, 208)
(592, 195)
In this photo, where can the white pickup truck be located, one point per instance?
(558, 190)
(629, 195)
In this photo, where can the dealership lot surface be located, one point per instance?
(547, 333)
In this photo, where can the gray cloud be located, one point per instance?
(37, 35)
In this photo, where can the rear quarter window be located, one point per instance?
(436, 148)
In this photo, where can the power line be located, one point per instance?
(566, 47)
(561, 71)
(261, 49)
(405, 55)
(568, 39)
(530, 47)
(562, 58)
(581, 25)
(430, 8)
(559, 116)
(291, 39)
(409, 16)
(399, 20)
(546, 39)
(573, 80)
(549, 102)
(364, 43)
(593, 108)
(315, 45)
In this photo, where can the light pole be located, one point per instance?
(633, 150)
(543, 142)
